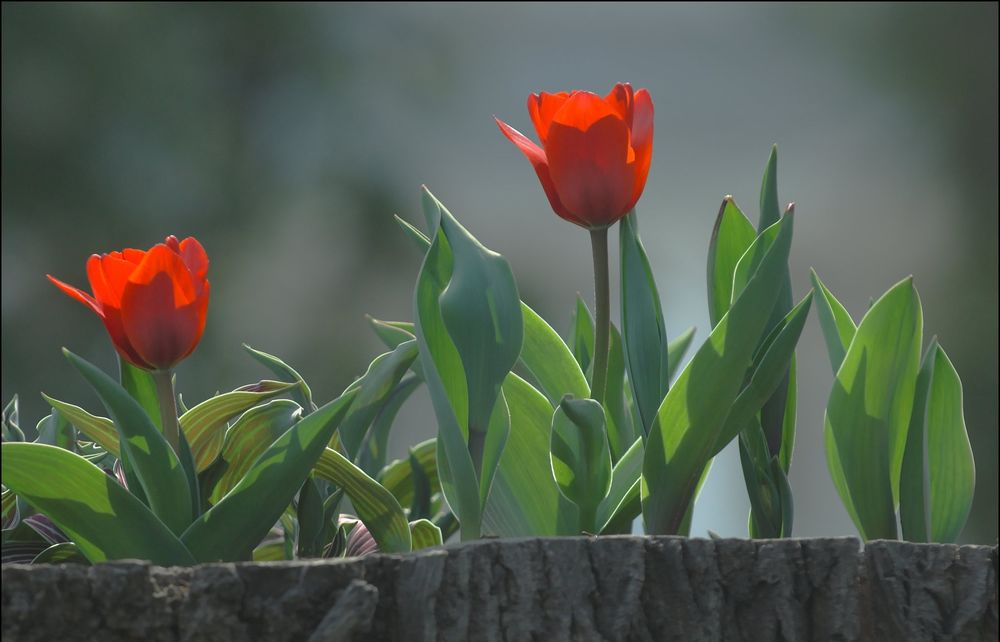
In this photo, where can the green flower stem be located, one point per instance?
(599, 243)
(168, 407)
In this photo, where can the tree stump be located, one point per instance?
(608, 588)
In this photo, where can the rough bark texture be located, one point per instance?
(611, 588)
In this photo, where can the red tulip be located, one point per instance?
(595, 152)
(153, 303)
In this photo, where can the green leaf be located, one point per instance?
(392, 333)
(583, 334)
(397, 477)
(543, 352)
(951, 467)
(251, 435)
(676, 350)
(624, 487)
(868, 412)
(770, 210)
(837, 324)
(100, 429)
(310, 516)
(62, 553)
(302, 394)
(731, 237)
(230, 530)
(420, 507)
(549, 360)
(376, 506)
(939, 473)
(419, 239)
(374, 388)
(525, 500)
(643, 331)
(496, 439)
(55, 430)
(581, 459)
(270, 552)
(772, 414)
(470, 331)
(446, 383)
(104, 520)
(693, 414)
(11, 429)
(768, 369)
(205, 425)
(749, 263)
(621, 432)
(424, 534)
(788, 430)
(372, 456)
(482, 313)
(154, 462)
(914, 484)
(140, 384)
(765, 503)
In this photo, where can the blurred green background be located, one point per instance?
(286, 136)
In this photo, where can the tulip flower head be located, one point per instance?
(594, 154)
(153, 303)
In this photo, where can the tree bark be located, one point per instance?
(609, 588)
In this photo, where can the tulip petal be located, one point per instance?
(77, 294)
(194, 257)
(161, 334)
(620, 99)
(200, 310)
(160, 315)
(116, 330)
(642, 141)
(132, 256)
(581, 111)
(108, 275)
(589, 164)
(542, 107)
(536, 156)
(162, 260)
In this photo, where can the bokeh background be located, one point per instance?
(286, 136)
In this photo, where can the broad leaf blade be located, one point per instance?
(837, 324)
(205, 425)
(676, 350)
(424, 534)
(767, 372)
(693, 413)
(524, 500)
(100, 429)
(248, 439)
(642, 325)
(581, 459)
(376, 507)
(154, 462)
(549, 360)
(104, 520)
(869, 409)
(445, 378)
(731, 237)
(374, 388)
(397, 479)
(302, 394)
(914, 484)
(230, 530)
(140, 384)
